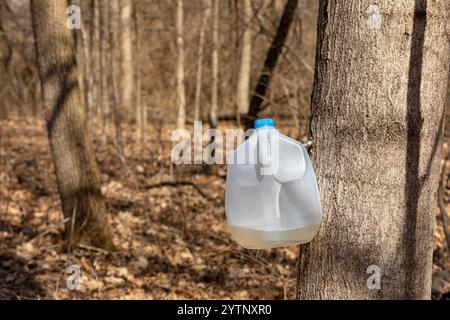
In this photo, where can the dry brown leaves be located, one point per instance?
(172, 242)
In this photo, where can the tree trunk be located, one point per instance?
(271, 61)
(104, 53)
(140, 121)
(181, 98)
(212, 119)
(76, 170)
(95, 56)
(243, 89)
(116, 103)
(201, 44)
(86, 74)
(377, 123)
(127, 68)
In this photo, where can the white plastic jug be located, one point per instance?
(271, 199)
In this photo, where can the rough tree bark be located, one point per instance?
(243, 88)
(76, 170)
(377, 123)
(181, 96)
(271, 62)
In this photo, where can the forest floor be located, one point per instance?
(172, 240)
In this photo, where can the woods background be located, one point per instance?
(144, 68)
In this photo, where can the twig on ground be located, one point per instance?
(179, 183)
(91, 248)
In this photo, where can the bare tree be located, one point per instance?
(377, 124)
(85, 75)
(215, 66)
(94, 47)
(201, 44)
(140, 110)
(103, 56)
(271, 61)
(246, 61)
(181, 98)
(116, 103)
(127, 67)
(76, 169)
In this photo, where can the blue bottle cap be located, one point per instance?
(267, 122)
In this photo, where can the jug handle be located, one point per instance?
(263, 148)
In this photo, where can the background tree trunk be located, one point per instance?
(116, 102)
(76, 170)
(104, 52)
(377, 123)
(201, 44)
(181, 97)
(243, 89)
(140, 118)
(86, 75)
(215, 66)
(271, 61)
(94, 47)
(126, 46)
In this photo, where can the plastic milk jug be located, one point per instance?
(271, 199)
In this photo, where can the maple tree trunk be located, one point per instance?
(77, 174)
(377, 124)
